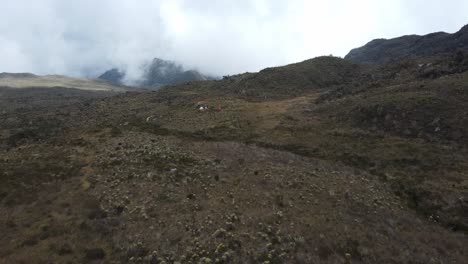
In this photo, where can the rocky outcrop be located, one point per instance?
(113, 75)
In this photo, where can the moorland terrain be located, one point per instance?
(323, 161)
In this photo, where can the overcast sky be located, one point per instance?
(86, 37)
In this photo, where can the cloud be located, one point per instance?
(86, 37)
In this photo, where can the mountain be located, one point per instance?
(113, 76)
(385, 50)
(161, 72)
(321, 161)
(158, 73)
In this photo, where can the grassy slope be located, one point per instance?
(360, 165)
(411, 134)
(27, 81)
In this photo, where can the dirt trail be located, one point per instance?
(268, 115)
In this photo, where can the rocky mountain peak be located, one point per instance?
(157, 73)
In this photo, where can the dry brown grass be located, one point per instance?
(56, 81)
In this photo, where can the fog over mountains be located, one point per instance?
(86, 38)
(156, 74)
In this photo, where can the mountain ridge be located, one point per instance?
(380, 51)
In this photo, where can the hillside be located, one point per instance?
(386, 50)
(27, 80)
(323, 161)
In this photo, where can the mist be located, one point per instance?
(86, 37)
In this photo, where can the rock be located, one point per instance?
(65, 249)
(206, 260)
(136, 250)
(30, 242)
(94, 254)
(279, 200)
(229, 226)
(219, 233)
